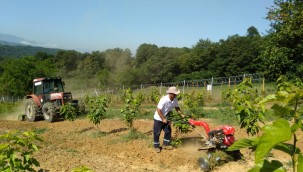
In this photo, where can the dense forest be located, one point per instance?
(279, 52)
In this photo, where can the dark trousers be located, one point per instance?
(158, 127)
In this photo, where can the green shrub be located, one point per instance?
(97, 109)
(286, 103)
(69, 112)
(131, 108)
(16, 150)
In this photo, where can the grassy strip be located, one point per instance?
(8, 107)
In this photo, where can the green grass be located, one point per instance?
(73, 151)
(40, 130)
(8, 107)
(98, 134)
(134, 135)
(131, 135)
(223, 115)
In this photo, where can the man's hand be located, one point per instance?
(183, 116)
(164, 120)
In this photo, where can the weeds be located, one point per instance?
(98, 134)
(40, 130)
(82, 169)
(134, 135)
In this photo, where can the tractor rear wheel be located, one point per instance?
(49, 112)
(31, 110)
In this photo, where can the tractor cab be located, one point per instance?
(48, 85)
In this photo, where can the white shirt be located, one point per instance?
(165, 105)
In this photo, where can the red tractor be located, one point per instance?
(46, 100)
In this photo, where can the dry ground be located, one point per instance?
(71, 144)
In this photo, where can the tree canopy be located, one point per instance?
(284, 45)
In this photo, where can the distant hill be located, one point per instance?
(9, 50)
(13, 46)
(10, 38)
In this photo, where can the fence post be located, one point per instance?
(96, 92)
(228, 82)
(183, 86)
(263, 86)
(161, 88)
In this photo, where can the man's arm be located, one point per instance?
(164, 120)
(179, 112)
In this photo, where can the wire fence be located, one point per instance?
(211, 86)
(11, 99)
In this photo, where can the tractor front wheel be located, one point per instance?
(48, 111)
(31, 110)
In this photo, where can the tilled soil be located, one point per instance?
(68, 145)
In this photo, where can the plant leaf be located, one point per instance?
(285, 147)
(276, 133)
(274, 166)
(296, 125)
(268, 98)
(243, 143)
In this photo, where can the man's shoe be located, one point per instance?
(168, 147)
(157, 150)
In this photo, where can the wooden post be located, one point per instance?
(183, 86)
(228, 82)
(263, 85)
(161, 88)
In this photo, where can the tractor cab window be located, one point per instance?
(58, 86)
(52, 86)
(47, 87)
(38, 89)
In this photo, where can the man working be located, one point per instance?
(165, 105)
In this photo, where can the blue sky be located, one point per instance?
(97, 25)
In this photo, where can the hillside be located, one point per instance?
(15, 50)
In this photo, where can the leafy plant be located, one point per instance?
(154, 95)
(226, 94)
(287, 100)
(248, 112)
(140, 97)
(194, 101)
(68, 111)
(131, 108)
(176, 142)
(181, 124)
(97, 109)
(16, 150)
(182, 127)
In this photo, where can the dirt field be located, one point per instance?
(72, 144)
